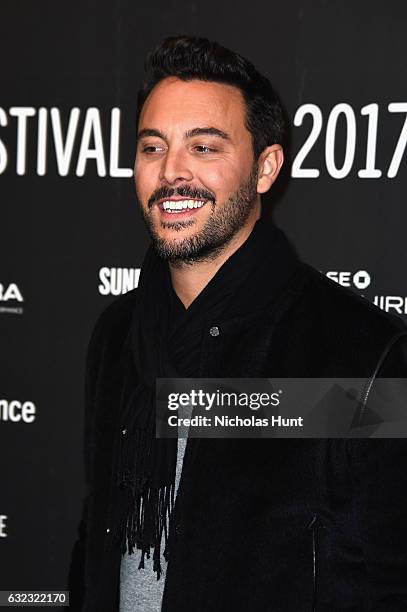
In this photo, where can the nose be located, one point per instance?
(175, 167)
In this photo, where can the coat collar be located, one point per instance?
(265, 263)
(277, 266)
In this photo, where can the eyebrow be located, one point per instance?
(198, 131)
(207, 131)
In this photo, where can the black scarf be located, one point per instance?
(165, 340)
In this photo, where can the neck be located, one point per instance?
(188, 281)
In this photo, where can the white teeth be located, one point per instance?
(173, 206)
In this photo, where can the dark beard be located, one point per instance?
(219, 229)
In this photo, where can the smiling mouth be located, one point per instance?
(180, 206)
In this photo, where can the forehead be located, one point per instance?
(175, 103)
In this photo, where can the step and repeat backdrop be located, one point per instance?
(72, 238)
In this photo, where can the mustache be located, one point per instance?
(184, 192)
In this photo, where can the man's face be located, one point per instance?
(194, 151)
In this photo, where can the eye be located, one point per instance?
(151, 149)
(204, 149)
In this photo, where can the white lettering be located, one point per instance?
(42, 141)
(64, 152)
(127, 279)
(104, 274)
(3, 150)
(391, 302)
(344, 279)
(398, 107)
(116, 281)
(11, 293)
(3, 518)
(370, 171)
(22, 113)
(92, 128)
(360, 279)
(16, 411)
(297, 170)
(330, 142)
(114, 169)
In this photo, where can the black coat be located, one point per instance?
(264, 525)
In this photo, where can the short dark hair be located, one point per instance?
(190, 58)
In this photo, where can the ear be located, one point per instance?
(270, 162)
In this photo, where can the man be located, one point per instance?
(279, 524)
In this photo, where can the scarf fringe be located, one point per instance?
(144, 511)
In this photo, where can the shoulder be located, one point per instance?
(113, 324)
(346, 310)
(345, 333)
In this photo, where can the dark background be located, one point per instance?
(57, 232)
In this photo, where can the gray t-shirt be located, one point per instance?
(140, 591)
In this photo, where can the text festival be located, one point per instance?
(86, 136)
(52, 138)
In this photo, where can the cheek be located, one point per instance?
(144, 180)
(222, 179)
